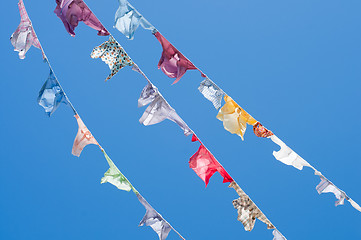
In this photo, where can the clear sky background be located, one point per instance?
(293, 65)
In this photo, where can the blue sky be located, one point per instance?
(293, 65)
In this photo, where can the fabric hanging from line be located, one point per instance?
(115, 177)
(247, 210)
(326, 186)
(112, 53)
(71, 12)
(51, 95)
(211, 92)
(260, 131)
(159, 109)
(277, 235)
(153, 219)
(128, 19)
(287, 155)
(24, 36)
(83, 138)
(234, 118)
(172, 62)
(205, 165)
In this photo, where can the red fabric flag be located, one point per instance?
(205, 165)
(172, 62)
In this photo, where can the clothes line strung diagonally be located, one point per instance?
(52, 95)
(202, 162)
(235, 119)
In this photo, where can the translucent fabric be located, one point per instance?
(159, 109)
(128, 19)
(112, 54)
(234, 118)
(51, 95)
(211, 92)
(287, 155)
(153, 219)
(172, 62)
(115, 177)
(277, 235)
(83, 138)
(260, 131)
(71, 12)
(24, 36)
(205, 165)
(326, 186)
(247, 210)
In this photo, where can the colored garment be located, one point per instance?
(159, 109)
(326, 186)
(172, 62)
(287, 155)
(112, 54)
(205, 165)
(83, 138)
(51, 95)
(127, 20)
(234, 118)
(115, 177)
(247, 210)
(24, 36)
(211, 92)
(153, 219)
(277, 235)
(71, 12)
(260, 131)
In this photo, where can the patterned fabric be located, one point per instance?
(24, 36)
(51, 95)
(71, 12)
(83, 138)
(159, 109)
(205, 165)
(247, 210)
(277, 235)
(153, 219)
(172, 62)
(112, 54)
(234, 118)
(326, 186)
(115, 177)
(261, 131)
(127, 19)
(212, 92)
(288, 156)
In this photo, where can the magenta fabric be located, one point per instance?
(172, 62)
(71, 12)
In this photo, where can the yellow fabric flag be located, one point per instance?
(234, 118)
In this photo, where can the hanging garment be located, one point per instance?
(153, 219)
(211, 92)
(247, 210)
(71, 12)
(354, 204)
(205, 165)
(24, 36)
(159, 109)
(83, 138)
(112, 54)
(51, 95)
(326, 186)
(288, 156)
(172, 62)
(261, 131)
(128, 19)
(277, 235)
(115, 177)
(234, 118)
